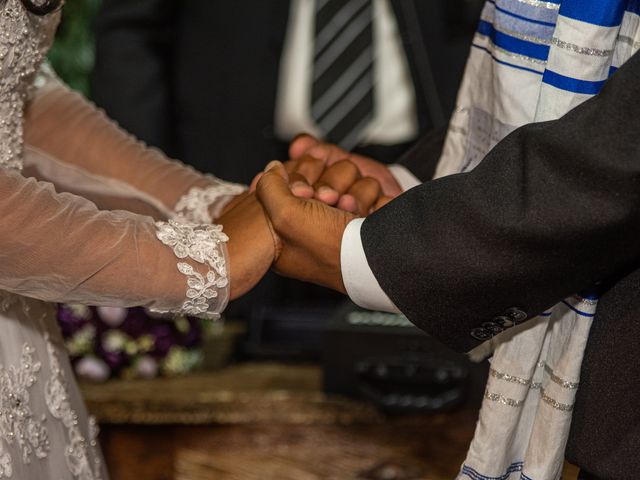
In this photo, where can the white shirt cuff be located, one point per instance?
(404, 177)
(362, 286)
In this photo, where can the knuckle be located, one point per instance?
(281, 218)
(368, 185)
(370, 182)
(347, 167)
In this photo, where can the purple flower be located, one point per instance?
(115, 359)
(92, 368)
(164, 338)
(112, 316)
(137, 323)
(69, 320)
(146, 367)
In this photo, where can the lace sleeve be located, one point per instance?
(76, 140)
(62, 248)
(207, 294)
(202, 205)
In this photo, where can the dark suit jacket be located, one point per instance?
(198, 78)
(553, 209)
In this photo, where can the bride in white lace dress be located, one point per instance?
(97, 243)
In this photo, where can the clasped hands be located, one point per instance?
(295, 213)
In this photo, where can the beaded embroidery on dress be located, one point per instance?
(45, 431)
(24, 41)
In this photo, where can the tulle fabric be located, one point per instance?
(59, 246)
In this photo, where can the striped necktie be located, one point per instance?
(342, 91)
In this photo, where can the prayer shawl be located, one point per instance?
(532, 61)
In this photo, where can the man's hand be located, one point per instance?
(252, 242)
(330, 154)
(340, 184)
(308, 232)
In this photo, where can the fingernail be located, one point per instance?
(272, 164)
(326, 190)
(300, 185)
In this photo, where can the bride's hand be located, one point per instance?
(251, 244)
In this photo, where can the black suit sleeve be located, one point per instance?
(552, 209)
(132, 75)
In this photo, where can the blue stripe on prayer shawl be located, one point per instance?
(502, 62)
(612, 70)
(505, 23)
(522, 17)
(513, 44)
(579, 312)
(606, 13)
(475, 475)
(530, 10)
(572, 84)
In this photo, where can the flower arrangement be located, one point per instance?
(107, 342)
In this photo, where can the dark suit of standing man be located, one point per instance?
(564, 198)
(203, 74)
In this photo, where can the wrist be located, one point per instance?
(226, 204)
(251, 247)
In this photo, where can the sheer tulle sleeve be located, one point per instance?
(59, 247)
(71, 143)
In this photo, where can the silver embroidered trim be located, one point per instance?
(195, 205)
(517, 56)
(560, 381)
(521, 36)
(203, 244)
(572, 47)
(536, 386)
(541, 4)
(18, 424)
(496, 397)
(563, 407)
(58, 402)
(629, 41)
(509, 378)
(588, 301)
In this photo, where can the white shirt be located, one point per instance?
(395, 119)
(361, 284)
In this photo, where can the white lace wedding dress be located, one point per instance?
(96, 244)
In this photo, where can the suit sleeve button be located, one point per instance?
(516, 315)
(481, 334)
(492, 327)
(503, 321)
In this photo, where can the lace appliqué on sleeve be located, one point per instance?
(202, 205)
(207, 295)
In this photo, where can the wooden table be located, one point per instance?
(267, 421)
